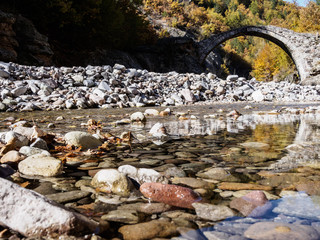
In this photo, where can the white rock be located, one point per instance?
(29, 151)
(19, 91)
(232, 78)
(150, 175)
(188, 95)
(4, 74)
(18, 139)
(77, 78)
(40, 165)
(33, 215)
(257, 96)
(158, 130)
(142, 175)
(137, 117)
(82, 139)
(111, 181)
(25, 131)
(151, 112)
(104, 86)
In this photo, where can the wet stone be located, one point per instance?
(253, 204)
(148, 230)
(6, 170)
(299, 205)
(170, 194)
(280, 231)
(242, 193)
(218, 174)
(310, 187)
(29, 151)
(64, 197)
(45, 188)
(212, 212)
(174, 172)
(242, 186)
(111, 181)
(192, 182)
(123, 216)
(147, 208)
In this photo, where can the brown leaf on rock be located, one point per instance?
(104, 147)
(11, 145)
(94, 126)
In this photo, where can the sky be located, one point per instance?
(299, 2)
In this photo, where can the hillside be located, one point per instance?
(203, 18)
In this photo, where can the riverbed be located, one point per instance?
(220, 151)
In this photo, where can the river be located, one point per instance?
(270, 147)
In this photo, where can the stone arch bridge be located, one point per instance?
(303, 48)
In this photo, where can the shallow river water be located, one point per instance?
(268, 147)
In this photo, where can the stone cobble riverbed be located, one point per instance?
(222, 171)
(28, 88)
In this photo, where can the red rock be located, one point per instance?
(170, 194)
(253, 204)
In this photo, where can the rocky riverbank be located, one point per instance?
(28, 88)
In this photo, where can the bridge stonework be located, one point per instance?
(303, 48)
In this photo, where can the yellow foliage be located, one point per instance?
(265, 66)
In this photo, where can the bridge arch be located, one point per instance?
(288, 40)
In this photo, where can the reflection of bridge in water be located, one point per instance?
(304, 150)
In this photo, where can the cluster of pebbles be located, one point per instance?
(27, 88)
(202, 187)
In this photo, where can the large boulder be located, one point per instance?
(33, 215)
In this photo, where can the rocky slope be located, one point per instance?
(27, 88)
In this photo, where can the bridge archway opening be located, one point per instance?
(269, 33)
(250, 56)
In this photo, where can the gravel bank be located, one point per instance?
(28, 88)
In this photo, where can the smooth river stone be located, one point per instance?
(64, 197)
(33, 215)
(253, 204)
(124, 216)
(82, 139)
(12, 156)
(192, 182)
(111, 181)
(170, 194)
(39, 165)
(148, 230)
(242, 186)
(212, 212)
(148, 208)
(219, 174)
(310, 187)
(280, 231)
(255, 145)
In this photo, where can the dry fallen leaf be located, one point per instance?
(24, 184)
(3, 233)
(11, 145)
